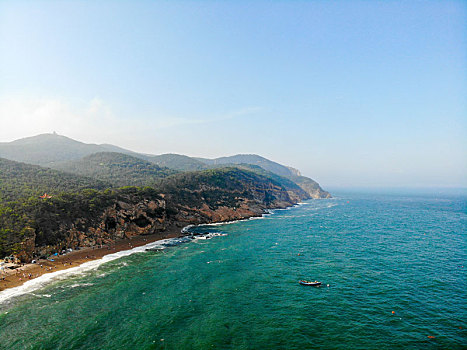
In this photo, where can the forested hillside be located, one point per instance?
(31, 226)
(87, 205)
(176, 161)
(215, 187)
(60, 152)
(253, 159)
(117, 169)
(293, 175)
(285, 182)
(18, 180)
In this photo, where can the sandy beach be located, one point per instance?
(16, 277)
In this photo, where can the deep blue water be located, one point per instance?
(379, 253)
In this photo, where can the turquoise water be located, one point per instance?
(378, 252)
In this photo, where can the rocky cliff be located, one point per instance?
(311, 187)
(97, 218)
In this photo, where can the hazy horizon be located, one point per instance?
(364, 94)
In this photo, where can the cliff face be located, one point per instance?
(121, 220)
(311, 187)
(133, 213)
(244, 208)
(86, 211)
(124, 218)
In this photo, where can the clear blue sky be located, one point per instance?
(365, 93)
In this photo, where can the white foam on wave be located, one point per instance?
(47, 278)
(186, 229)
(81, 285)
(42, 295)
(268, 212)
(209, 235)
(226, 222)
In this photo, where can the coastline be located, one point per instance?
(45, 268)
(28, 272)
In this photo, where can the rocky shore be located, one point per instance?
(65, 231)
(25, 272)
(121, 227)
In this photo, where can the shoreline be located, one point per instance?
(29, 272)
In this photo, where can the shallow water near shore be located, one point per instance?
(395, 265)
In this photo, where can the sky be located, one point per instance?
(352, 93)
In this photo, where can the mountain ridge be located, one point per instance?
(254, 159)
(52, 150)
(48, 149)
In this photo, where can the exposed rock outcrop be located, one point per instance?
(122, 220)
(311, 187)
(132, 216)
(93, 218)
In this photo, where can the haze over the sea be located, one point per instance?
(353, 93)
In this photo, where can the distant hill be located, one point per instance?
(254, 159)
(293, 175)
(56, 151)
(311, 187)
(285, 182)
(117, 169)
(18, 180)
(52, 150)
(48, 149)
(176, 161)
(224, 187)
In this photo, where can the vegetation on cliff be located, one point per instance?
(87, 205)
(222, 187)
(285, 182)
(268, 168)
(310, 186)
(47, 222)
(95, 216)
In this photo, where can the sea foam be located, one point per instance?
(47, 278)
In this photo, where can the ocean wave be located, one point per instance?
(168, 243)
(209, 235)
(42, 295)
(47, 278)
(186, 229)
(41, 281)
(231, 222)
(75, 285)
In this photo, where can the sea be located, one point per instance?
(393, 268)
